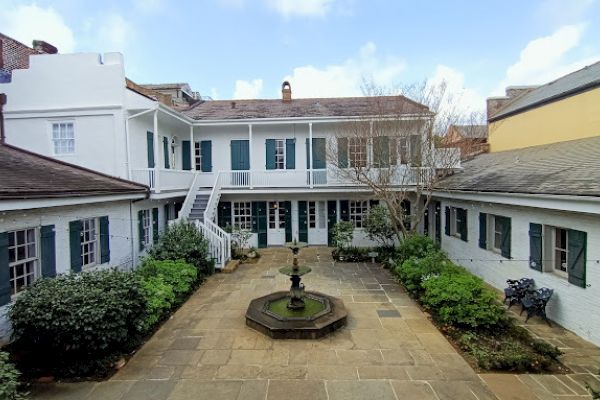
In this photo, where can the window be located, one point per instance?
(276, 215)
(146, 227)
(357, 152)
(89, 242)
(312, 214)
(560, 251)
(358, 212)
(404, 150)
(23, 258)
(279, 154)
(197, 156)
(456, 222)
(242, 215)
(495, 232)
(63, 136)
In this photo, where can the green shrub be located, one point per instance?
(75, 323)
(160, 298)
(178, 274)
(461, 299)
(9, 379)
(342, 232)
(183, 240)
(413, 271)
(352, 254)
(378, 225)
(418, 246)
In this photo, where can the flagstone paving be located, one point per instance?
(389, 349)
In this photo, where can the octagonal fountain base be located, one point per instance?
(327, 318)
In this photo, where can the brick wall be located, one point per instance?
(14, 54)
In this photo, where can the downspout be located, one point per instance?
(2, 103)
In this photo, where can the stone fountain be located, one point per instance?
(296, 314)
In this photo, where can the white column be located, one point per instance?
(156, 153)
(250, 155)
(310, 154)
(192, 150)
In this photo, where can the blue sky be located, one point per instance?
(245, 48)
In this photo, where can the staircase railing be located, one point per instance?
(188, 203)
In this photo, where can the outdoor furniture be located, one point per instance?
(516, 290)
(535, 302)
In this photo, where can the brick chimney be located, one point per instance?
(495, 104)
(44, 47)
(286, 92)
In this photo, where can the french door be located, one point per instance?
(278, 222)
(317, 222)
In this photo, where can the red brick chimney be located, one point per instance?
(286, 92)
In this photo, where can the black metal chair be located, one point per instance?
(535, 303)
(516, 290)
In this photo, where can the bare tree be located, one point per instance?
(392, 150)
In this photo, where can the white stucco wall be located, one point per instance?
(571, 306)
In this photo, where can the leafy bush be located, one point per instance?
(378, 225)
(461, 299)
(352, 254)
(414, 271)
(342, 232)
(76, 322)
(160, 298)
(9, 379)
(178, 274)
(418, 246)
(183, 240)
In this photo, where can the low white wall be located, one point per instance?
(573, 307)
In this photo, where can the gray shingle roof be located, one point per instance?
(565, 168)
(575, 82)
(26, 175)
(308, 108)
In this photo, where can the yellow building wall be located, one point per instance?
(575, 117)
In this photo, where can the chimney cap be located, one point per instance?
(44, 47)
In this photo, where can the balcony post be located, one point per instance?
(250, 156)
(192, 150)
(156, 153)
(310, 155)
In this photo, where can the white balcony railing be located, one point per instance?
(170, 179)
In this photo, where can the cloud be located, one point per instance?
(544, 59)
(563, 12)
(116, 32)
(346, 79)
(248, 89)
(28, 22)
(149, 6)
(301, 8)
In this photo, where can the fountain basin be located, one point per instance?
(269, 315)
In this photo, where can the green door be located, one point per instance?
(331, 220)
(240, 155)
(259, 221)
(302, 222)
(288, 221)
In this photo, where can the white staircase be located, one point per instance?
(200, 208)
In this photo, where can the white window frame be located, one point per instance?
(147, 227)
(242, 215)
(197, 156)
(280, 154)
(358, 152)
(276, 215)
(65, 144)
(358, 211)
(90, 242)
(555, 249)
(32, 259)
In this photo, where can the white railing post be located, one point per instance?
(310, 155)
(156, 153)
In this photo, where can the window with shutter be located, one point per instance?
(104, 240)
(75, 232)
(483, 230)
(456, 222)
(155, 225)
(535, 246)
(5, 284)
(576, 257)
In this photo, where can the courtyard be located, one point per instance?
(388, 350)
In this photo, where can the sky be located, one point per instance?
(246, 48)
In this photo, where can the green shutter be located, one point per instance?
(505, 242)
(224, 214)
(75, 228)
(4, 270)
(48, 251)
(319, 155)
(186, 157)
(290, 153)
(344, 210)
(206, 154)
(270, 153)
(141, 229)
(393, 151)
(535, 246)
(302, 222)
(259, 221)
(240, 156)
(154, 225)
(166, 210)
(381, 152)
(104, 240)
(415, 149)
(150, 148)
(463, 224)
(576, 257)
(307, 154)
(483, 230)
(166, 151)
(447, 227)
(342, 149)
(288, 220)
